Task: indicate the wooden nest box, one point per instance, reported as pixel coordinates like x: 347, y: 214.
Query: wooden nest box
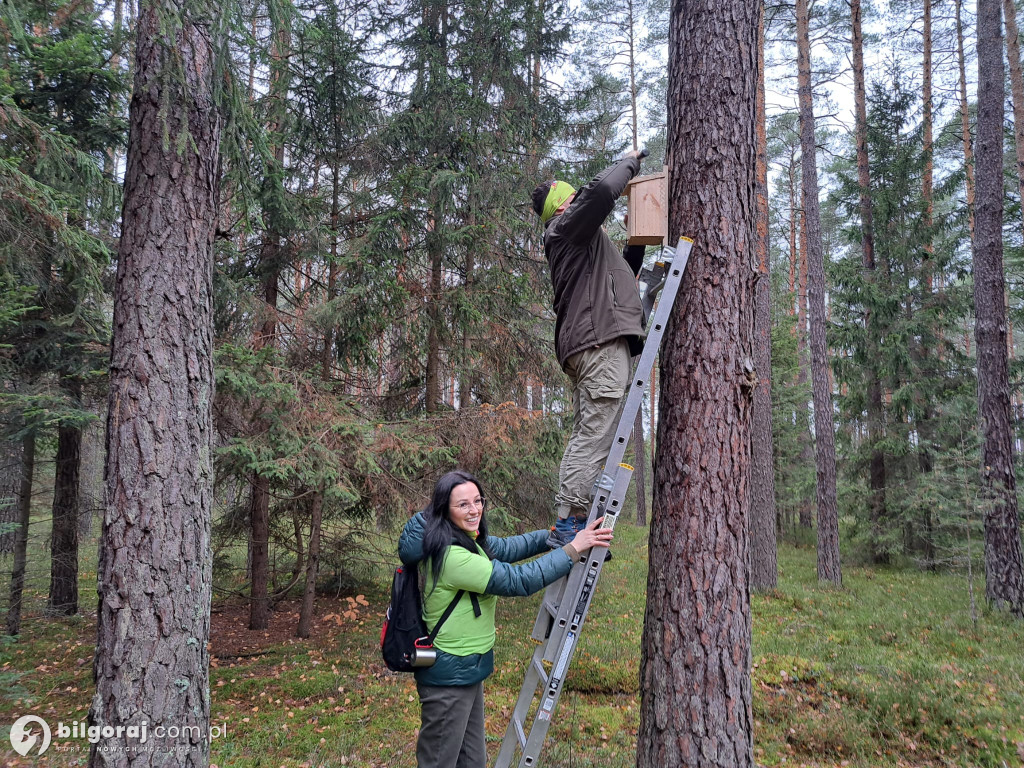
x: 647, y: 206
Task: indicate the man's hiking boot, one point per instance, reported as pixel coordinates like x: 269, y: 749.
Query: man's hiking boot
x: 565, y: 530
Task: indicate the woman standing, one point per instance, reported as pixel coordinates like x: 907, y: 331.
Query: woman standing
x: 450, y: 538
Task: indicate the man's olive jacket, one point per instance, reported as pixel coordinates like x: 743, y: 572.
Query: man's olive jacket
x: 596, y: 298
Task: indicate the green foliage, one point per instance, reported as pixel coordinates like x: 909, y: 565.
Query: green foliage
x: 60, y: 113
x: 464, y: 147
x: 794, y: 477
x: 791, y: 386
x: 62, y: 77
x: 899, y: 322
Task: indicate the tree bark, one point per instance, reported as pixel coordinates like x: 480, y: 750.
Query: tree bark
x: 927, y: 120
x: 259, y: 524
x: 801, y: 298
x: 28, y: 460
x: 1004, y: 573
x: 90, y: 483
x: 640, y: 473
x: 1016, y: 89
x: 695, y: 665
x: 312, y: 567
x: 965, y: 121
x: 155, y: 566
x: 764, y: 573
x: 10, y: 482
x: 63, y: 598
x: 794, y: 257
x: 806, y: 512
x: 875, y: 413
x: 824, y: 436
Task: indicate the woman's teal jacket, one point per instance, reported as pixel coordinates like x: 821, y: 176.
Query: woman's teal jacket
x: 506, y: 579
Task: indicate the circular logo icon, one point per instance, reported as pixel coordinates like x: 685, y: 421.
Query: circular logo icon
x: 25, y: 735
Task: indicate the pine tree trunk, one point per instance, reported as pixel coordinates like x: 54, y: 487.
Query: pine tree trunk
x: 695, y: 666
x: 806, y: 512
x: 10, y: 481
x: 764, y: 572
x: 1004, y: 572
x: 312, y: 567
x: 801, y: 298
x: 927, y: 120
x: 90, y: 483
x: 1016, y: 89
x: 63, y: 599
x: 155, y: 567
x: 824, y: 436
x: 965, y: 124
x: 259, y: 524
x: 794, y: 257
x: 28, y: 460
x: 876, y: 462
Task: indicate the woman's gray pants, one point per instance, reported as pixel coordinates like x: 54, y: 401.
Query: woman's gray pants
x: 452, y: 727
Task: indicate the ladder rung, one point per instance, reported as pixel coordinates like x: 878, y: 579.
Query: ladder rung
x: 541, y: 673
x: 551, y: 606
x: 520, y: 733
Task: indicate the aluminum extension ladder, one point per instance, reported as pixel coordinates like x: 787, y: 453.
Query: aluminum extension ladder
x: 567, y: 601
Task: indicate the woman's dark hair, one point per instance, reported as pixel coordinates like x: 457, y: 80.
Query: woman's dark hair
x: 439, y: 530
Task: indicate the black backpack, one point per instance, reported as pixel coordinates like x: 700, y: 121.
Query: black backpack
x: 404, y: 641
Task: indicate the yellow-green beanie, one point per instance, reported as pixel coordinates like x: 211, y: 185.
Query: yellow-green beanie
x: 559, y: 193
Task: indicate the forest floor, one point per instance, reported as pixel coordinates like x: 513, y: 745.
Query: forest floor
x: 887, y: 671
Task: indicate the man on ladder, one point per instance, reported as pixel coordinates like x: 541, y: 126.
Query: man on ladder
x: 598, y: 307
x: 598, y: 326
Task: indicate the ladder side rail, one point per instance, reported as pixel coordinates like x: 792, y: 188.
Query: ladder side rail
x: 579, y: 607
x: 581, y: 577
x: 515, y: 735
